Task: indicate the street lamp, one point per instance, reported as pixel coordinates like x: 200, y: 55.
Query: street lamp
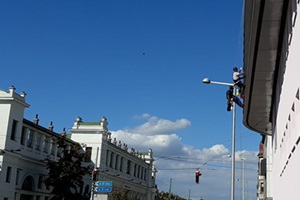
x: 208, y: 81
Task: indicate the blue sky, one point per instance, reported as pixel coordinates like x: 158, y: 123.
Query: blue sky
x: 140, y: 63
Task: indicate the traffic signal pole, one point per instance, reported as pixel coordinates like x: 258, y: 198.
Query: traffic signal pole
x: 93, y: 175
x: 92, y: 192
x: 170, y: 190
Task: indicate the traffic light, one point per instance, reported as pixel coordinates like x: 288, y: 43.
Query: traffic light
x: 95, y: 175
x: 198, y: 174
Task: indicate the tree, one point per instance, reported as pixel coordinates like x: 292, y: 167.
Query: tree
x: 66, y: 174
x: 120, y: 194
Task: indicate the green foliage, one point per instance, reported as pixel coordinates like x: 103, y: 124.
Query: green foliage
x: 66, y: 175
x: 120, y: 194
x: 166, y: 196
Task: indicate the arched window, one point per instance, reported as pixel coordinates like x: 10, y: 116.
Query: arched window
x: 28, y: 183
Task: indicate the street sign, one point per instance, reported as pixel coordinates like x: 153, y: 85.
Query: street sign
x: 103, y: 189
x: 104, y: 183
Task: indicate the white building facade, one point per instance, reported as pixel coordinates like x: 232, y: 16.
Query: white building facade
x: 129, y: 171
x: 272, y: 104
x: 25, y: 146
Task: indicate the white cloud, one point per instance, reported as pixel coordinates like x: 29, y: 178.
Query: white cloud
x: 143, y: 116
x: 161, y: 144
x: 155, y: 126
x: 179, y: 161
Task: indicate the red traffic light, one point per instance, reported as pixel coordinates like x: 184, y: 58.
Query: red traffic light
x: 198, y: 174
x: 95, y: 175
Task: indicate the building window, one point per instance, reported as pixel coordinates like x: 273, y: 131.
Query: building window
x: 8, y: 174
x: 38, y: 142
x: 107, y: 154
x: 128, y: 167
x: 134, y: 170
x: 138, y: 172
x: 88, y: 154
x: 13, y: 130
x: 46, y: 145
x: 121, y: 164
x: 23, y: 135
x: 117, y: 162
x: 142, y: 173
x: 17, y: 176
x: 28, y: 184
x: 53, y: 148
x: 47, y: 188
x: 38, y: 197
x: 145, y: 174
x: 59, y: 152
x: 40, y: 181
x: 46, y: 198
x: 30, y: 138
x: 111, y: 160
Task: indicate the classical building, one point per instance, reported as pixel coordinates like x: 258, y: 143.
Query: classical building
x: 25, y: 145
x: 131, y: 171
x: 272, y: 104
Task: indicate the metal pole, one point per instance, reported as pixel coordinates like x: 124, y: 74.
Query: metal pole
x: 170, y: 190
x: 233, y: 148
x: 243, y: 179
x: 208, y: 81
x: 221, y: 83
x: 247, y: 198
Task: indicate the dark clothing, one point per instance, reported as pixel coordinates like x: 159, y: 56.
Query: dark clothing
x: 229, y: 94
x: 241, y: 86
x: 230, y: 97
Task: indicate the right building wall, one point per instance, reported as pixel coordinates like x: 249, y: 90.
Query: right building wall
x: 272, y: 104
x: 286, y: 117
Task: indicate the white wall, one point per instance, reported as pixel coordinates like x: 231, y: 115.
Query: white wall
x: 286, y: 159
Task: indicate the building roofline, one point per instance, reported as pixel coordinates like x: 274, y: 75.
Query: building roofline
x: 43, y: 129
x: 263, y: 36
